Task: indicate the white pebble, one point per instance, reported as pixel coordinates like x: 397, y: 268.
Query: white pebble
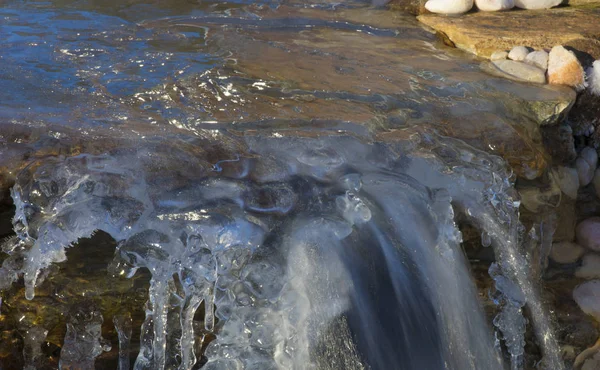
x: 494, y: 5
x: 538, y: 58
x: 536, y: 4
x: 449, y: 6
x: 518, y: 53
x: 499, y: 55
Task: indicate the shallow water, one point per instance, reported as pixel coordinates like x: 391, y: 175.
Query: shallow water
x: 284, y: 175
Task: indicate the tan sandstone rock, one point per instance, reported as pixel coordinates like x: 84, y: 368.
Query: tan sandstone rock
x: 482, y: 33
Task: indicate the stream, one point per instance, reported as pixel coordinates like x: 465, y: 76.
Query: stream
x: 258, y: 185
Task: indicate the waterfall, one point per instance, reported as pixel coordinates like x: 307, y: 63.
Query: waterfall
x: 304, y: 252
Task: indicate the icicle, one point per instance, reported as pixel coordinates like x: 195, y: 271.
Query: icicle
x: 123, y: 326
x: 34, y: 338
x: 188, y: 309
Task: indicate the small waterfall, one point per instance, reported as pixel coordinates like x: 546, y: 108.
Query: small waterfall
x: 275, y: 185
x: 304, y: 252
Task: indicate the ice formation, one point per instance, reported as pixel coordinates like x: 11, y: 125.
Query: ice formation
x: 279, y: 245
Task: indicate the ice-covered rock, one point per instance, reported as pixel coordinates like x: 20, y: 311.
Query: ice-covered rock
x: 590, y: 268
x: 588, y: 233
x: 538, y: 58
x: 593, y: 78
x: 536, y: 4
x: 449, y: 6
x: 565, y: 69
x: 587, y: 296
x: 494, y: 5
x: 566, y: 252
x: 499, y: 55
x: 518, y: 53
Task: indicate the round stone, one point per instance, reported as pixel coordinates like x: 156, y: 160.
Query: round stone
x: 587, y: 233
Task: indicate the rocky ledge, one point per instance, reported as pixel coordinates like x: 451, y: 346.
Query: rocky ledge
x: 482, y: 33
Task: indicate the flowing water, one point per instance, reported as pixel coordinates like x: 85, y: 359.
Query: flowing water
x: 267, y: 185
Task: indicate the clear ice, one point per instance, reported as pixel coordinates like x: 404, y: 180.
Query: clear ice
x: 282, y: 247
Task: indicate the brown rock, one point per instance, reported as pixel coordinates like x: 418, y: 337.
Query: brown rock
x: 564, y: 68
x: 482, y: 33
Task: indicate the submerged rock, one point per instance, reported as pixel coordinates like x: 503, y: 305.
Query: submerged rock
x: 518, y: 53
x: 537, y: 4
x: 538, y: 58
x: 588, y: 233
x: 540, y: 195
x: 514, y: 70
x: 566, y: 252
x: 494, y: 5
x: 449, y: 6
x: 564, y: 68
